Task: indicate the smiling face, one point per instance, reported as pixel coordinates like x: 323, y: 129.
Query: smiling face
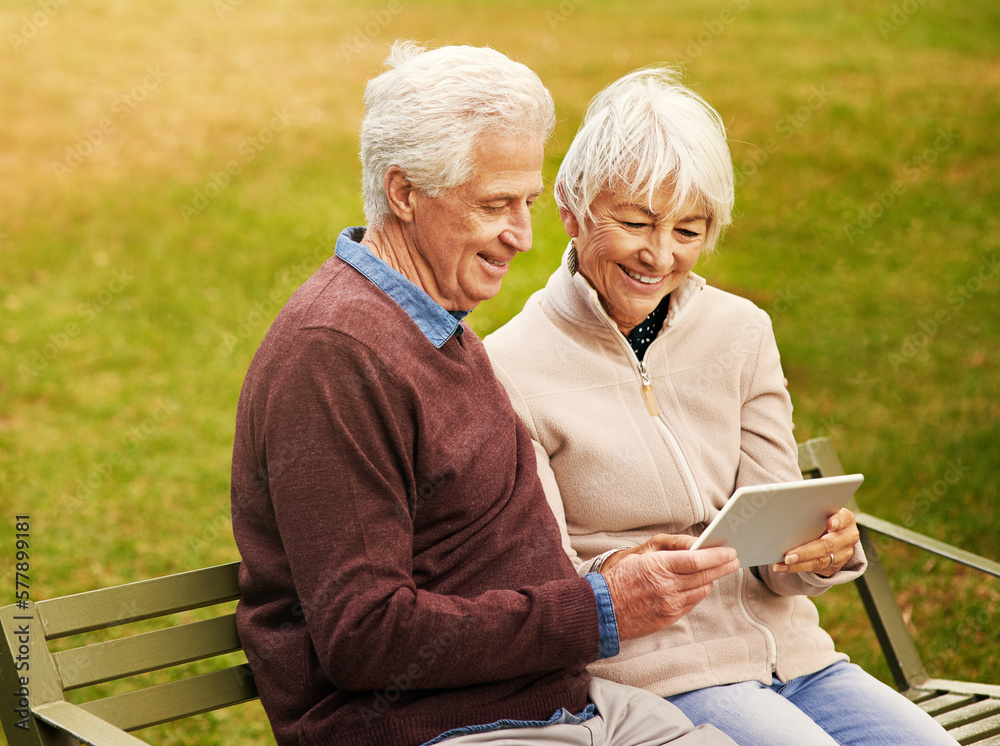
x: 462, y: 242
x: 635, y: 252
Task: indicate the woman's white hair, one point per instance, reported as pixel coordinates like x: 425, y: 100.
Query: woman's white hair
x: 426, y: 111
x: 643, y: 132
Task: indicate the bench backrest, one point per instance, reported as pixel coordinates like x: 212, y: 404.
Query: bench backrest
x: 53, y: 673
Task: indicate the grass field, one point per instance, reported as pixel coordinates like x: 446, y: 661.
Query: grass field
x: 171, y: 171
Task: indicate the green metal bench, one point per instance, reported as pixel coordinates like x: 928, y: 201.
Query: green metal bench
x: 34, y: 710
x: 970, y: 711
x: 43, y: 717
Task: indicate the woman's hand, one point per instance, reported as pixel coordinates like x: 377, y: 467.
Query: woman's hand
x: 829, y: 553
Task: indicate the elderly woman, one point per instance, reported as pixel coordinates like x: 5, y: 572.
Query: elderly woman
x: 652, y: 397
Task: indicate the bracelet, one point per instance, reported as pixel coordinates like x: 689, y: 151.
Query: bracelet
x: 599, y: 561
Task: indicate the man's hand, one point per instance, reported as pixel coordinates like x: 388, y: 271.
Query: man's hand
x: 658, y: 582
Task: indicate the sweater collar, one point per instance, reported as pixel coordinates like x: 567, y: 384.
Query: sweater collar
x: 573, y: 295
x: 437, y: 324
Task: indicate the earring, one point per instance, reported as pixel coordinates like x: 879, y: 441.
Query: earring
x: 572, y: 263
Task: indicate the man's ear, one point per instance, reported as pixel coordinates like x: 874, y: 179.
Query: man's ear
x: 400, y: 192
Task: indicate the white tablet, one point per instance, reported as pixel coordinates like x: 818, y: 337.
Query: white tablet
x: 763, y: 522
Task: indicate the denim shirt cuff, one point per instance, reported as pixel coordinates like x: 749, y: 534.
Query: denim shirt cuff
x: 607, y: 624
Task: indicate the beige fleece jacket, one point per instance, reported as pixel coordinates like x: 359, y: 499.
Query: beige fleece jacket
x: 615, y: 474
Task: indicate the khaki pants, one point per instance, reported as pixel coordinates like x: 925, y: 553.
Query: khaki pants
x: 626, y: 716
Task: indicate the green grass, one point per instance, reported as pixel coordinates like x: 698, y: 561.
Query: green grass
x: 128, y: 322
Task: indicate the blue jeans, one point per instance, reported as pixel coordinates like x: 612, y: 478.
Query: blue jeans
x: 839, y: 705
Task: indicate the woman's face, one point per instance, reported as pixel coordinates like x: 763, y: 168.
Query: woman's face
x: 633, y: 256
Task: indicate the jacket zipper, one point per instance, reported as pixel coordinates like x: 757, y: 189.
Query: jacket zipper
x: 654, y: 410
x: 647, y: 390
x: 772, y: 644
x: 699, y: 506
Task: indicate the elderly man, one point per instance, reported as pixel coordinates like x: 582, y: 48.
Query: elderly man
x: 403, y: 580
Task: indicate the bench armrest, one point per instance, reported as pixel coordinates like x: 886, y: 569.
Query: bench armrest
x: 940, y: 548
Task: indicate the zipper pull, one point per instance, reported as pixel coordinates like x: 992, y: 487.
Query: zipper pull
x: 647, y: 391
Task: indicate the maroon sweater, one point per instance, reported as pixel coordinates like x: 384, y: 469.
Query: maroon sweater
x: 402, y: 573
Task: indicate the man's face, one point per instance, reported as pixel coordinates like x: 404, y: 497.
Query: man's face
x: 463, y: 241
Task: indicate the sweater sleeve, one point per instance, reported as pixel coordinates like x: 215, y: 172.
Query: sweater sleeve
x: 345, y: 518
x: 768, y: 454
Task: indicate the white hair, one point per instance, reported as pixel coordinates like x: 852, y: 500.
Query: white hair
x: 425, y: 113
x: 643, y: 132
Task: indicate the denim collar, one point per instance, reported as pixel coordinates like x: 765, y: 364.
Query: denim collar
x: 437, y: 324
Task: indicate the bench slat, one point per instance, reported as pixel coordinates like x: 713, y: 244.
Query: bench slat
x: 920, y: 695
x: 83, y: 725
x: 945, y: 702
x: 978, y: 731
x: 964, y: 687
x: 150, y: 651
x: 163, y: 703
x: 145, y: 599
x: 969, y: 713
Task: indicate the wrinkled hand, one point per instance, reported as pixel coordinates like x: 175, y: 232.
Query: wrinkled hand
x: 830, y: 552
x: 660, y: 581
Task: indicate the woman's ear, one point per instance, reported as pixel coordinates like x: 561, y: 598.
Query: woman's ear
x: 400, y: 192
x: 570, y: 223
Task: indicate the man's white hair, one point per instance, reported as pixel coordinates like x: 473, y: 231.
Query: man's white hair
x: 425, y: 113
x: 647, y: 131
